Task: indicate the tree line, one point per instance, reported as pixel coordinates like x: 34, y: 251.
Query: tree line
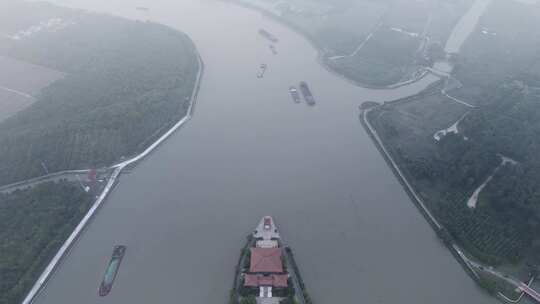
x: 34, y: 222
x: 125, y: 83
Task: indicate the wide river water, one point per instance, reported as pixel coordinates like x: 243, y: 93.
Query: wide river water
x: 250, y: 151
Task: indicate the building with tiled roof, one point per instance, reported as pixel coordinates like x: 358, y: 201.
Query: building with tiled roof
x: 265, y: 260
x: 266, y: 271
x: 274, y: 280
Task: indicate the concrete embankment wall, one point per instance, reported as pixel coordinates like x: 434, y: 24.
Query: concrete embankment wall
x: 113, y: 180
x: 454, y: 249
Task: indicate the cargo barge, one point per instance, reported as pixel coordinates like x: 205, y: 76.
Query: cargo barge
x: 266, y: 271
x: 112, y: 270
x: 310, y: 100
x: 294, y: 94
x: 262, y: 70
x: 268, y: 36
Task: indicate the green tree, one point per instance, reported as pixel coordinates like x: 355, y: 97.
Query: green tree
x: 248, y: 300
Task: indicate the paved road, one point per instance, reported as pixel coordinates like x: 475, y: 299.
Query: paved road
x: 507, y: 278
x: 117, y: 170
x: 71, y: 175
x: 315, y: 170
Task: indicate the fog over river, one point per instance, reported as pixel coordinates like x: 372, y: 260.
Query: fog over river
x: 249, y: 151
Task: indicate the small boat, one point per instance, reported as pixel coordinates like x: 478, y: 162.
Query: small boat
x: 112, y: 270
x: 308, y: 96
x: 267, y: 35
x: 294, y: 94
x: 262, y: 68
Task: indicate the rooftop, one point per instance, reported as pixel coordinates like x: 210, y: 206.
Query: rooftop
x: 256, y: 280
x: 266, y: 260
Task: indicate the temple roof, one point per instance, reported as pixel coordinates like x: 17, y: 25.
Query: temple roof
x: 274, y: 280
x: 266, y: 260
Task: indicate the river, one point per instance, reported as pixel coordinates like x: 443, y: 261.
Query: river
x: 249, y: 151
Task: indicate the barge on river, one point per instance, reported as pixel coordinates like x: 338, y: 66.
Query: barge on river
x: 308, y: 96
x: 266, y: 271
x: 112, y: 270
x: 262, y: 70
x: 294, y: 94
x: 267, y: 35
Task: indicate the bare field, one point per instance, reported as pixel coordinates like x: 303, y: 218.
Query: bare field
x: 20, y: 82
x: 11, y: 103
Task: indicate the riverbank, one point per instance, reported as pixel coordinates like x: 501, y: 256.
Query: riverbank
x: 436, y: 88
x: 77, y: 122
x: 485, y: 203
x: 34, y: 223
x: 102, y: 110
x: 322, y: 56
x: 465, y: 253
x: 217, y: 174
x: 396, y: 170
x: 438, y: 228
x: 112, y: 181
x: 301, y: 294
x: 242, y: 260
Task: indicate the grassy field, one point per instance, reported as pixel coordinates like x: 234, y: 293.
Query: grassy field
x: 26, y: 77
x: 20, y: 83
x: 11, y: 103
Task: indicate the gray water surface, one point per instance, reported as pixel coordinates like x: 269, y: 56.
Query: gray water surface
x: 250, y: 151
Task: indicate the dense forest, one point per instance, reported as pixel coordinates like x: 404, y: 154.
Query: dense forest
x: 33, y: 224
x: 510, y: 126
x: 125, y: 83
x: 500, y: 74
x: 447, y: 172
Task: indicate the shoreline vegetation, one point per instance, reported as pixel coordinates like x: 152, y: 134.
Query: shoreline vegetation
x: 34, y: 222
x: 157, y: 92
x: 494, y: 140
x: 322, y: 57
x: 111, y: 183
x: 493, y: 285
x: 444, y: 234
x: 138, y: 77
x: 456, y: 224
x: 423, y: 46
